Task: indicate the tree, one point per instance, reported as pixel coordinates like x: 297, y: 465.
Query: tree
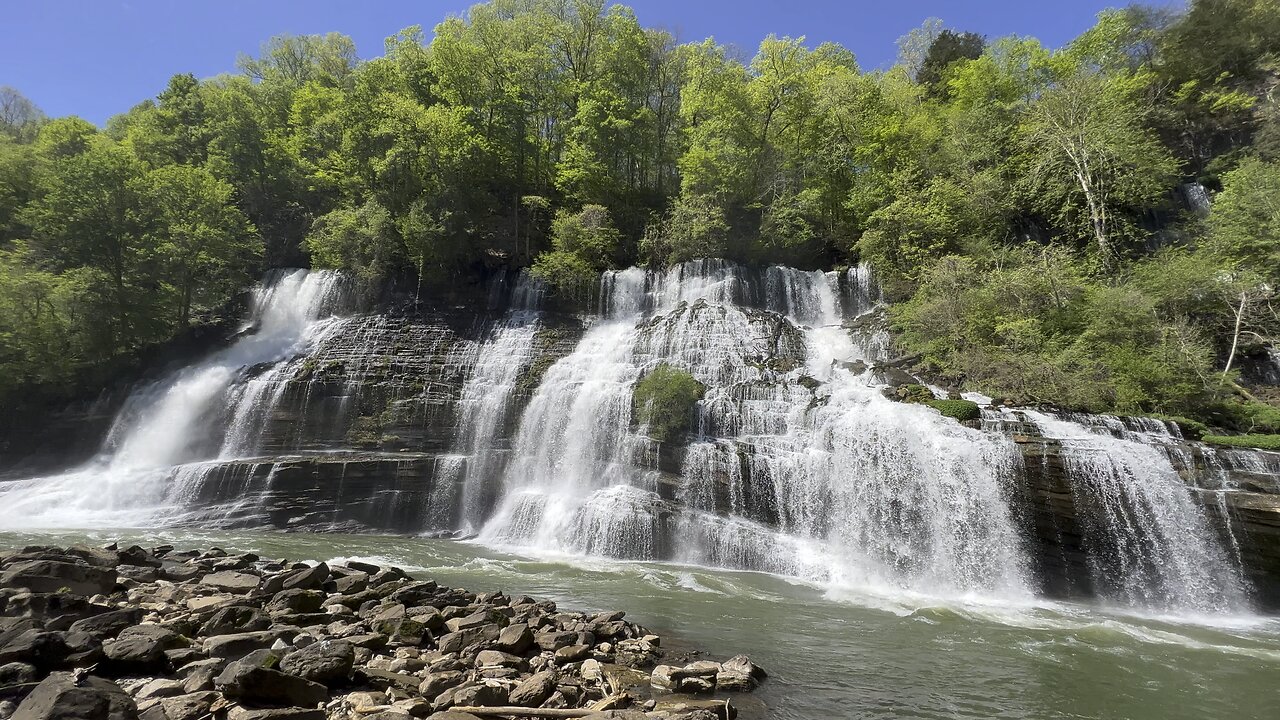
x: 87, y: 213
x: 583, y: 244
x: 20, y: 119
x: 948, y: 48
x: 202, y: 239
x: 1091, y: 160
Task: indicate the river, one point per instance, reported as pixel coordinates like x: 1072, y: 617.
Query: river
x: 840, y: 654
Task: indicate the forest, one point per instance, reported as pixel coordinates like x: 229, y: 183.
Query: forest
x: 1094, y: 227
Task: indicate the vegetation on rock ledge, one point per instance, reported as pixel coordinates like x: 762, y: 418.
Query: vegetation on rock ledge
x: 664, y: 401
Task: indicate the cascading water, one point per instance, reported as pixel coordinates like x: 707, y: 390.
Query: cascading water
x: 486, y: 396
x: 1150, y: 544
x: 861, y: 490
x: 165, y: 427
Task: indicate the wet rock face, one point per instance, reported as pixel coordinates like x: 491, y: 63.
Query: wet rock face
x: 1239, y: 490
x: 237, y: 637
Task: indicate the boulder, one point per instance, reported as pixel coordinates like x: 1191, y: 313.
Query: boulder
x: 484, y: 695
x: 435, y: 683
x: 743, y: 665
x: 108, y: 624
x: 235, y: 619
x: 573, y: 653
x: 60, y: 697
x: 238, y: 645
x: 535, y: 690
x: 312, y: 578
x: 516, y: 638
x: 46, y: 650
x: 458, y: 641
x: 296, y: 600
x: 250, y: 681
x: 53, y: 576
x: 554, y: 640
x: 231, y: 581
x: 328, y: 661
x: 477, y: 619
x: 192, y: 706
x: 18, y: 673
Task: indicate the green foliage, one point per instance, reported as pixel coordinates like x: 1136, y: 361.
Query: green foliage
x: 1262, y: 442
x: 584, y: 243
x: 664, y: 401
x: 1007, y: 194
x: 962, y: 410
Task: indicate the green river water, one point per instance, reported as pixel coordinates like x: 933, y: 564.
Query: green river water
x: 845, y: 655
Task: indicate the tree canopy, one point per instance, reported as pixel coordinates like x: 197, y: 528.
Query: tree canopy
x: 1017, y: 202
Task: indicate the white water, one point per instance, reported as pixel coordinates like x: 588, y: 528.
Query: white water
x: 482, y: 408
x: 1150, y: 543
x: 864, y: 491
x: 178, y: 421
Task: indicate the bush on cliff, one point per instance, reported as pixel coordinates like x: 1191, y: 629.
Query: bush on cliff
x: 664, y: 401
x: 962, y: 410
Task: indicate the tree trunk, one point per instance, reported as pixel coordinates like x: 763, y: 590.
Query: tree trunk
x: 1235, y: 336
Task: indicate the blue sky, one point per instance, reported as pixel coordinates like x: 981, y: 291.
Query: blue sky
x: 96, y: 58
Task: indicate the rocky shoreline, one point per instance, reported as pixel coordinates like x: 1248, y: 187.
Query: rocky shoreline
x: 159, y: 634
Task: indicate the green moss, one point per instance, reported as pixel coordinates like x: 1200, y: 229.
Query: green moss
x: 664, y: 401
x: 962, y: 410
x: 1261, y: 442
x: 914, y: 394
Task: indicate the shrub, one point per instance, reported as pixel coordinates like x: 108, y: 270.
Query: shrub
x: 664, y: 400
x: 961, y: 410
x: 1261, y: 442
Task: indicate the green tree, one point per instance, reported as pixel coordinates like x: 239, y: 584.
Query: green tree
x: 203, y: 241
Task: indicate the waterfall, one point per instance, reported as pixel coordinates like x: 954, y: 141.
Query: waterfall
x: 486, y: 396
x: 1149, y: 542
x: 139, y: 472
x: 821, y: 478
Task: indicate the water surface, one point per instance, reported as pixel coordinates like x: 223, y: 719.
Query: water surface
x: 843, y: 654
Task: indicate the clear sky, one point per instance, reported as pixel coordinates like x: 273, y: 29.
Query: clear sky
x: 97, y: 58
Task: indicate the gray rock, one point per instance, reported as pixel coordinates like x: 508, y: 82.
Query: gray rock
x: 312, y: 578
x: 159, y: 688
x: 58, y: 697
x: 327, y: 662
x: 555, y: 640
x: 458, y: 641
x: 17, y: 673
x: 573, y: 653
x: 435, y: 683
x: 235, y: 619
x: 238, y: 645
x: 192, y: 706
x: 742, y: 664
x: 109, y: 624
x: 250, y: 681
x: 52, y: 576
x: 515, y: 638
x: 535, y: 690
x: 296, y: 600
x: 198, y: 676
x: 386, y: 678
x: 484, y: 695
x: 232, y: 581
x: 41, y: 648
x: 477, y: 619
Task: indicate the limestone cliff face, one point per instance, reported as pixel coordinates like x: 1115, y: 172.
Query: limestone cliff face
x: 374, y: 429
